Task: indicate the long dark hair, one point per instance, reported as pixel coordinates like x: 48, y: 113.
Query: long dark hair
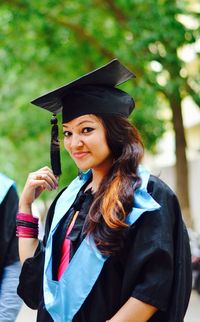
x: 114, y: 198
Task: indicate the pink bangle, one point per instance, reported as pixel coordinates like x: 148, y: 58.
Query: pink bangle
x: 26, y: 217
x: 26, y: 232
x: 26, y: 226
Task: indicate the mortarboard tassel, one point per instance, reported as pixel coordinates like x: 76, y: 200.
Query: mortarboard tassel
x: 55, y: 147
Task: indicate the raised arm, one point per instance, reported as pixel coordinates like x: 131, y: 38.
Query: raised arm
x: 37, y: 182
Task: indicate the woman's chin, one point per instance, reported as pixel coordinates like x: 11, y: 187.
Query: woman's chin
x: 83, y: 169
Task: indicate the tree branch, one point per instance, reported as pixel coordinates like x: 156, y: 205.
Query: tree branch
x: 118, y: 13
x: 193, y: 94
x: 82, y: 34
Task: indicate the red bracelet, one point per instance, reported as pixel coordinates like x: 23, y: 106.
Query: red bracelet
x: 26, y: 226
x: 26, y: 232
x: 26, y: 217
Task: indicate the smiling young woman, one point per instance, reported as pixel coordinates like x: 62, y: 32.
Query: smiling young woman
x: 84, y: 139
x: 115, y: 246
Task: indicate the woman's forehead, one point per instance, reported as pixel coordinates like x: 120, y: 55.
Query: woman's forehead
x: 87, y: 118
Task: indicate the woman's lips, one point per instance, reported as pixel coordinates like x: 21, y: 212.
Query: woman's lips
x: 79, y: 155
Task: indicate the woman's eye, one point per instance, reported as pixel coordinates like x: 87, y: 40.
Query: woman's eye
x: 87, y: 129
x: 67, y: 134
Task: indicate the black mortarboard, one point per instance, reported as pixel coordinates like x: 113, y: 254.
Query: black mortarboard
x: 93, y: 93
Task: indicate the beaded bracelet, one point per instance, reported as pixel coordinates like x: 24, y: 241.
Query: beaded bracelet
x: 26, y: 226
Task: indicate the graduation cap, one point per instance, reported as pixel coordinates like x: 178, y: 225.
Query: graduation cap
x: 93, y: 93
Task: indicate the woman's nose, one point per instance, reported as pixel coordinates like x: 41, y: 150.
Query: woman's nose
x: 76, y: 141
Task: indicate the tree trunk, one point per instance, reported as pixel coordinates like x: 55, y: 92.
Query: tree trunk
x: 181, y: 159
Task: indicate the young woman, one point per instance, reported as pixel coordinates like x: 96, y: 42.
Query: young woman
x: 115, y: 246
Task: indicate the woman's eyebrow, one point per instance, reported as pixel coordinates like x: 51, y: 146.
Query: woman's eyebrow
x: 85, y: 122
x: 67, y: 126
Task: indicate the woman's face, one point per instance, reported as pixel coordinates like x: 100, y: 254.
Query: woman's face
x: 85, y: 140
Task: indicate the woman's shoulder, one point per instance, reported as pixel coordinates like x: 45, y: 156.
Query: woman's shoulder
x: 157, y: 186
x: 165, y: 197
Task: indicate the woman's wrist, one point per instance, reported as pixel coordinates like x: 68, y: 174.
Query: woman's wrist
x: 25, y: 208
x: 26, y: 225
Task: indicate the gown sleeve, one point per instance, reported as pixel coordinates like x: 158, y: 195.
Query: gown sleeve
x: 160, y: 261
x: 30, y: 287
x: 30, y: 279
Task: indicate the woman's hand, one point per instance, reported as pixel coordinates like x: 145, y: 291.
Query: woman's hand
x: 36, y: 182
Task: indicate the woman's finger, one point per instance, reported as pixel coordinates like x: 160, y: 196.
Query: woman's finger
x: 46, y: 174
x: 40, y: 182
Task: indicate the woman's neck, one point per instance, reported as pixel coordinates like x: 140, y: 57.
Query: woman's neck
x: 97, y: 177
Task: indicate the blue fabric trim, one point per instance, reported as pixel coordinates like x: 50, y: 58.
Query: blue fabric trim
x: 142, y: 199
x: 64, y: 298
x: 75, y: 284
x: 5, y: 184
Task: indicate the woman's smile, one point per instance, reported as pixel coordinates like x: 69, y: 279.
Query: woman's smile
x: 79, y: 155
x: 85, y: 140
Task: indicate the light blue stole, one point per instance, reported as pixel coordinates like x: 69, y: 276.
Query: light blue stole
x: 5, y: 184
x: 64, y: 298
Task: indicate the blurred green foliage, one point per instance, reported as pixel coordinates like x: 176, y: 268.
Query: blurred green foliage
x: 45, y: 44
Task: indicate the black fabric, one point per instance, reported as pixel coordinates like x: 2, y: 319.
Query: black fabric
x: 109, y: 75
x: 90, y: 99
x: 55, y: 148
x: 31, y: 289
x: 8, y: 240
x: 154, y: 266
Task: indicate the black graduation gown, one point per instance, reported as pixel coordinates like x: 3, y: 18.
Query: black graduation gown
x: 154, y: 267
x: 8, y: 239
